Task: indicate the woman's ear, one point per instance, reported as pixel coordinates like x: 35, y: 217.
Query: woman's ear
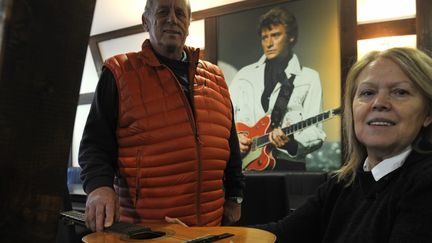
x: 427, y: 121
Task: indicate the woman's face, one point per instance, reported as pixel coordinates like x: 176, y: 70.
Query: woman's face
x: 388, y: 110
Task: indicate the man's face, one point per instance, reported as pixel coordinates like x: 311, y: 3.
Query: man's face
x: 168, y: 24
x: 274, y: 41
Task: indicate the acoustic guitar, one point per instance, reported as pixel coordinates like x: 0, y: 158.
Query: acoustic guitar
x: 260, y: 157
x: 121, y: 232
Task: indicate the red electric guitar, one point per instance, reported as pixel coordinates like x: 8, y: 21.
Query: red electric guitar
x: 260, y: 156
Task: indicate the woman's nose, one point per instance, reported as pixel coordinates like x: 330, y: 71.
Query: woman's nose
x: 381, y: 102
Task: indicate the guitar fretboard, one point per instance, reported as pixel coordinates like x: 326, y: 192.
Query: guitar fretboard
x: 262, y: 141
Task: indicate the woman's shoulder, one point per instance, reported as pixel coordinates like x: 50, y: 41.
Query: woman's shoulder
x: 419, y: 165
x: 416, y: 173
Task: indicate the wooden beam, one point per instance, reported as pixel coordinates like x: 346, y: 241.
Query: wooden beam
x: 348, y: 35
x: 424, y: 25
x: 211, y: 40
x: 235, y: 7
x: 387, y: 28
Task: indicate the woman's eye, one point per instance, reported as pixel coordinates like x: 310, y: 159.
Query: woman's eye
x: 366, y: 93
x: 401, y: 92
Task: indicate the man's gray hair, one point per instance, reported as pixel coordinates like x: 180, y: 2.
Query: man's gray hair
x: 149, y: 6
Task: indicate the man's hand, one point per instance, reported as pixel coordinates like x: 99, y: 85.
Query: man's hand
x: 102, y: 208
x: 245, y: 143
x: 278, y: 138
x: 232, y: 212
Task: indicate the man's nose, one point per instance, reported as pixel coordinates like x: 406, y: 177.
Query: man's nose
x: 381, y: 102
x: 269, y: 43
x: 172, y: 17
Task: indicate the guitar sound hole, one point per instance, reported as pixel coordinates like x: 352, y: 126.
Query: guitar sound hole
x: 145, y: 235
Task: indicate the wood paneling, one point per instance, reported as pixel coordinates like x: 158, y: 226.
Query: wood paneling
x: 211, y: 39
x: 424, y: 25
x: 388, y: 28
x: 348, y: 35
x: 235, y: 7
x: 45, y: 47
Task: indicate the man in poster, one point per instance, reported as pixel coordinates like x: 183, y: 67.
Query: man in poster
x: 277, y: 86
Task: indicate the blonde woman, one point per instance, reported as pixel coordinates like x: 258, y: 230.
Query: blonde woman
x: 383, y: 193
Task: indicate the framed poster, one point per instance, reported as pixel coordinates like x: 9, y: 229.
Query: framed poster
x: 232, y: 41
x: 316, y: 50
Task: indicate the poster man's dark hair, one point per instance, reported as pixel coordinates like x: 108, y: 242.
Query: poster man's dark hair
x: 276, y: 16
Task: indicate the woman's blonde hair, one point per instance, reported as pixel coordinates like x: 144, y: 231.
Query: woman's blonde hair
x: 418, y: 68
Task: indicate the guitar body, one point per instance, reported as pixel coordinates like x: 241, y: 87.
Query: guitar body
x: 260, y: 157
x: 178, y: 233
x: 123, y: 232
x: 257, y: 159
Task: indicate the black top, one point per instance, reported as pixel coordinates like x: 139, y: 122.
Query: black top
x: 99, y: 149
x: 396, y: 208
x: 274, y: 72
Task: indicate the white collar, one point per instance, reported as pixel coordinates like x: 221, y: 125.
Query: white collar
x: 388, y: 165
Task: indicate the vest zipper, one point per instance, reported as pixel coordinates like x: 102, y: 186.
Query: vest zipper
x: 192, y: 70
x: 138, y: 178
x: 190, y: 105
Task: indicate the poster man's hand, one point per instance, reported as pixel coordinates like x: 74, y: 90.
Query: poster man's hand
x: 245, y: 143
x: 278, y: 138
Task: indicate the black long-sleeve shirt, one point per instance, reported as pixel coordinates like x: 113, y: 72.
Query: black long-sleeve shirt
x: 99, y: 149
x: 397, y: 208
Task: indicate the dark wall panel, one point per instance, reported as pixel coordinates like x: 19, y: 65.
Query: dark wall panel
x: 43, y: 53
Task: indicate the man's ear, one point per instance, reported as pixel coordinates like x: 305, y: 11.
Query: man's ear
x: 144, y: 23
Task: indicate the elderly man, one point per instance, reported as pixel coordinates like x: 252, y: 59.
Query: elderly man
x: 160, y: 140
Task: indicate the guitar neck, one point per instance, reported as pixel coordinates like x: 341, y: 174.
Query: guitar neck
x: 264, y: 140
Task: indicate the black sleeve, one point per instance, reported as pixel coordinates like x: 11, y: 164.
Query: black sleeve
x: 413, y: 221
x: 305, y: 224
x: 98, y: 149
x: 234, y: 181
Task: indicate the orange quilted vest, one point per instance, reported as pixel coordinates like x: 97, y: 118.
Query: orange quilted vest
x: 171, y: 156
